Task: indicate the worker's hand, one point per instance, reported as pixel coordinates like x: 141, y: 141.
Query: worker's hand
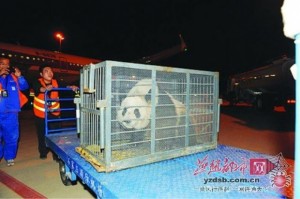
x: 73, y: 87
x: 17, y: 72
x: 4, y: 71
x: 47, y: 88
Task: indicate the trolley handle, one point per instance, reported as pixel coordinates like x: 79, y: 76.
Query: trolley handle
x: 48, y: 100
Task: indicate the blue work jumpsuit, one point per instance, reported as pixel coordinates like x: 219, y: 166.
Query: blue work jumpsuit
x: 9, y: 111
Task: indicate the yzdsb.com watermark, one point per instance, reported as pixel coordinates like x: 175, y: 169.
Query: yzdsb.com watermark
x: 230, y: 180
x: 274, y: 169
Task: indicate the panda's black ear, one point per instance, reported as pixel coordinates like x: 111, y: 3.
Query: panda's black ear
x: 148, y: 96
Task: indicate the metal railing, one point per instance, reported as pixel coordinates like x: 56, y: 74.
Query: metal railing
x: 66, y: 121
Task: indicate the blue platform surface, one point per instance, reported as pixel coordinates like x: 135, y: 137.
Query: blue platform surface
x: 201, y: 175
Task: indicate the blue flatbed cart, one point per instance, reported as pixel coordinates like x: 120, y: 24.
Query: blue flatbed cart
x: 175, y: 178
x: 219, y: 173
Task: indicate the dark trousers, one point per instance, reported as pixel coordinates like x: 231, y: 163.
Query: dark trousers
x: 40, y: 129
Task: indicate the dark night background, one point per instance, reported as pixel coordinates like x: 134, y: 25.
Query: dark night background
x: 229, y: 36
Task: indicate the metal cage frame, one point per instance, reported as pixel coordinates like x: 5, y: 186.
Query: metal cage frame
x: 100, y: 99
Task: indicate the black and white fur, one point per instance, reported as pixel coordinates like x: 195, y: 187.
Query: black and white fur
x: 135, y: 110
x: 134, y: 113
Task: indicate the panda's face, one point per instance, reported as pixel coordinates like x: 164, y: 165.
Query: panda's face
x: 134, y: 113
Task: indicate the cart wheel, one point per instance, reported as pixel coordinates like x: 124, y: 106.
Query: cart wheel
x: 63, y: 176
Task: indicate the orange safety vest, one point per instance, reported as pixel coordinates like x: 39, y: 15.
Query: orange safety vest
x: 22, y: 97
x: 39, y: 101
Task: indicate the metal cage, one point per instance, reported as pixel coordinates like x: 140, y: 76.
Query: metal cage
x: 134, y: 114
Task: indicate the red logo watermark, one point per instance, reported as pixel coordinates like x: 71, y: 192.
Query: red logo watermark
x: 275, y: 167
x: 259, y: 166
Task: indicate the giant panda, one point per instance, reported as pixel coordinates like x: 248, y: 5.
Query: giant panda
x: 135, y: 111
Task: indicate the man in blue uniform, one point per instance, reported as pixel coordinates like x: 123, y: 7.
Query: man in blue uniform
x: 11, y: 84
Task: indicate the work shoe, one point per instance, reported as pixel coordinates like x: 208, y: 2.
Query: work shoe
x: 10, y: 162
